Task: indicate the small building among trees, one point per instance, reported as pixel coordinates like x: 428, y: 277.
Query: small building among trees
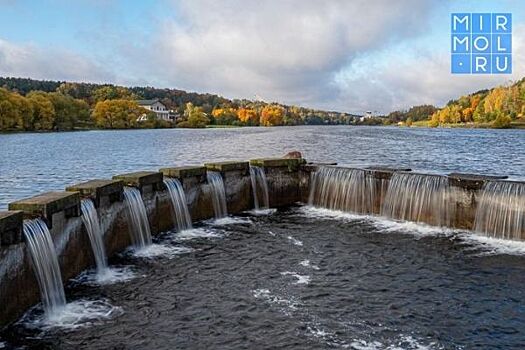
x: 156, y: 107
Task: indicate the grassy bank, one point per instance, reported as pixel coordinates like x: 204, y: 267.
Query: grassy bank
x: 426, y: 124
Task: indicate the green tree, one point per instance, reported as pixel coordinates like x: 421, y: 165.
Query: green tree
x: 195, y: 117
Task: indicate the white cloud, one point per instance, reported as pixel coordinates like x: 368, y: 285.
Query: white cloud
x: 50, y: 63
x: 288, y: 51
x: 414, y: 74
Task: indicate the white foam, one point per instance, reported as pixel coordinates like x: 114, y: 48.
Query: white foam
x: 415, y: 228
x: 315, y: 212
x: 295, y: 241
x: 160, y: 250
x: 265, y: 294
x: 404, y: 342
x: 493, y: 246
x: 301, y: 279
x: 306, y: 263
x: 318, y: 332
x: 110, y: 275
x: 262, y: 212
x: 271, y: 233
x: 196, y: 233
x: 230, y: 220
x: 74, y: 315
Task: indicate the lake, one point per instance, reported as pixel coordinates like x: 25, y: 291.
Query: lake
x: 39, y: 162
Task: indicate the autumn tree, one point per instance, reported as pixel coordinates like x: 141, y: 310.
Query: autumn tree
x: 194, y: 117
x: 248, y: 116
x: 117, y: 114
x: 43, y: 111
x: 224, y: 116
x: 110, y: 92
x: 272, y: 115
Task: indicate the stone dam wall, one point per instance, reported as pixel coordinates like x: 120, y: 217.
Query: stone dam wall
x: 288, y: 184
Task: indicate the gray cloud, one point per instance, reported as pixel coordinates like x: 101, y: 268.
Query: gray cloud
x: 416, y: 76
x: 287, y: 51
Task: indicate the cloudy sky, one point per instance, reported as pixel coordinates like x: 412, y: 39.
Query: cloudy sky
x: 347, y: 55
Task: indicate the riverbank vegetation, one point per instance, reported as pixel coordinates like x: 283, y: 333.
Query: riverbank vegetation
x: 35, y: 105
x: 500, y: 108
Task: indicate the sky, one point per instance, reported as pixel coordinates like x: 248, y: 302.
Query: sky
x: 344, y: 55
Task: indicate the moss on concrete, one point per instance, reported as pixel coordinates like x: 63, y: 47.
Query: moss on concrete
x: 184, y: 171
x: 141, y: 178
x: 291, y: 163
x: 47, y: 204
x: 227, y: 166
x: 96, y: 189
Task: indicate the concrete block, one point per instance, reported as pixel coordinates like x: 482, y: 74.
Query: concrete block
x: 11, y: 223
x: 100, y: 191
x: 47, y: 204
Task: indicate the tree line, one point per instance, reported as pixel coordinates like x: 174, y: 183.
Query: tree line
x: 33, y: 105
x: 500, y: 107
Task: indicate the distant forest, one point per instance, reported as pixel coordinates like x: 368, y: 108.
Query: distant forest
x: 33, y: 105
x: 500, y: 107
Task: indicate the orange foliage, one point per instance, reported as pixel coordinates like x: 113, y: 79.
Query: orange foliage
x: 272, y: 116
x: 248, y: 116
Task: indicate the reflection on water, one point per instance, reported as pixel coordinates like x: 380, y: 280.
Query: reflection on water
x: 31, y: 163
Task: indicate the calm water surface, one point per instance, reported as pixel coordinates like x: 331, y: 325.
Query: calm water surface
x: 31, y: 163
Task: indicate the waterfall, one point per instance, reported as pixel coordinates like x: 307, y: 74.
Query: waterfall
x: 351, y: 190
x: 420, y: 198
x: 90, y: 220
x: 501, y: 210
x: 45, y: 263
x: 258, y: 177
x: 218, y: 194
x: 138, y: 218
x: 180, y: 212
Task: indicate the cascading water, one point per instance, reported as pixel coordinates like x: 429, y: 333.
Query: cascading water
x: 420, y: 198
x: 45, y: 263
x: 351, y: 190
x: 218, y: 194
x: 258, y: 177
x: 501, y: 210
x: 90, y: 220
x: 180, y: 212
x: 139, y: 224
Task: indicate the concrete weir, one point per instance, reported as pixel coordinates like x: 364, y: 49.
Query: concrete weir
x: 289, y: 182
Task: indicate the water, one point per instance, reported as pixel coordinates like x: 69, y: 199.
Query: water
x: 45, y: 264
x: 218, y: 194
x: 419, y: 198
x: 179, y: 206
x: 353, y: 282
x: 57, y: 314
x: 259, y: 184
x: 79, y: 156
x: 351, y: 190
x: 92, y: 224
x: 138, y: 218
x: 501, y: 210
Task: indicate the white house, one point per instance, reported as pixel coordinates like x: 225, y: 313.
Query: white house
x: 155, y: 106
x: 367, y: 115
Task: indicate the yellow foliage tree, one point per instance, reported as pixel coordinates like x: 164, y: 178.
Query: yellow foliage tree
x: 117, y: 114
x: 248, y: 116
x: 272, y: 115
